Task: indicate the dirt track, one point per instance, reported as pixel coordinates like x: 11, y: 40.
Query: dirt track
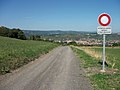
x: 57, y: 70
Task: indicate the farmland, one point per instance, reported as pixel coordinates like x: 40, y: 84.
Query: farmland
x: 15, y: 53
x: 90, y: 58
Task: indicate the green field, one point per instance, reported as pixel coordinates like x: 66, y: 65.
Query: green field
x: 110, y: 80
x: 15, y: 53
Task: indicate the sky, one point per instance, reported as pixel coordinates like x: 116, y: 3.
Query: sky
x: 75, y: 15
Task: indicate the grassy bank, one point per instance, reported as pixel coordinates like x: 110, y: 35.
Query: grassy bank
x: 15, y: 53
x: 89, y: 57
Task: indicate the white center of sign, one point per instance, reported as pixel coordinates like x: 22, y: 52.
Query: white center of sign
x: 104, y: 19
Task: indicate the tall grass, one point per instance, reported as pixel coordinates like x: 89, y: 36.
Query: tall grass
x: 15, y: 53
x: 112, y: 56
x: 90, y: 51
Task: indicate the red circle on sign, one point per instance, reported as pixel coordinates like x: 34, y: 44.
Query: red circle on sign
x: 99, y: 19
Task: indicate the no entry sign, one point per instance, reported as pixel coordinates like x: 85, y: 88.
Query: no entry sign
x: 104, y: 19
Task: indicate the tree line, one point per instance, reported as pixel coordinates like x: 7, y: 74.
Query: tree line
x: 116, y: 44
x: 19, y: 34
x: 12, y: 33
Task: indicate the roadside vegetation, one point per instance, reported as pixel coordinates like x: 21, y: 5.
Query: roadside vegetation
x: 90, y: 58
x: 15, y: 53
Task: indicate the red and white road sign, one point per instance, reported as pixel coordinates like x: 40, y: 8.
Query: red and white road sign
x: 104, y: 19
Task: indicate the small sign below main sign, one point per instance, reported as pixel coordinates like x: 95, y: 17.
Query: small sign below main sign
x: 104, y: 29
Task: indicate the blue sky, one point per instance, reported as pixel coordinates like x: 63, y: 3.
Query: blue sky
x: 80, y: 15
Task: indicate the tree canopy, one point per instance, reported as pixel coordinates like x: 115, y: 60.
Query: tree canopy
x: 13, y: 33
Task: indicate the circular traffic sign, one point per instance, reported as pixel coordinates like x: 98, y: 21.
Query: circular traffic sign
x: 104, y: 19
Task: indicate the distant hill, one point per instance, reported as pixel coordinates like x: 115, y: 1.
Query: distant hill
x: 71, y: 35
x: 37, y: 32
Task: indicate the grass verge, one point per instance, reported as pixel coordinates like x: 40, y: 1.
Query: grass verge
x: 110, y: 80
x: 14, y: 53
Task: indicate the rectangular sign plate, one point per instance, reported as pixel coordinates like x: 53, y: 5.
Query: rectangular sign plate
x: 104, y: 29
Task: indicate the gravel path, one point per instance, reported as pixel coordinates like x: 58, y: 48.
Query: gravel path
x: 57, y: 70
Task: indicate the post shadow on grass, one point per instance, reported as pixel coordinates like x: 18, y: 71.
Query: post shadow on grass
x: 101, y: 63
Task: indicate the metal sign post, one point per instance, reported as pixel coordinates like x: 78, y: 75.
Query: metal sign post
x: 104, y: 20
x: 103, y: 68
